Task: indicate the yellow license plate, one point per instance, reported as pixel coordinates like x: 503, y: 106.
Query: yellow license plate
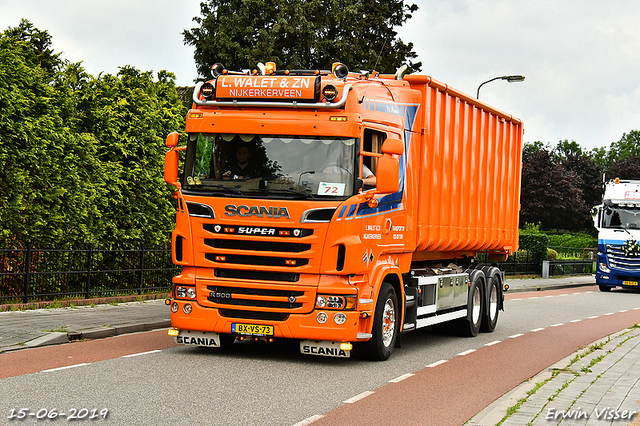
x: 252, y: 329
x: 629, y: 283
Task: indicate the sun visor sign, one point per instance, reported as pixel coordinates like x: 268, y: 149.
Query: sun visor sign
x: 269, y: 88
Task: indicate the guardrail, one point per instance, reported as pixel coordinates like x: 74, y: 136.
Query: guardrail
x: 38, y: 272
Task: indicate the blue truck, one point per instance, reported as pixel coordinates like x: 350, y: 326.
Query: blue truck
x: 617, y: 220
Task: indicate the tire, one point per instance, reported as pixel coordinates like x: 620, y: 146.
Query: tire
x: 226, y: 340
x: 490, y: 317
x: 385, y: 325
x: 604, y: 288
x: 469, y: 327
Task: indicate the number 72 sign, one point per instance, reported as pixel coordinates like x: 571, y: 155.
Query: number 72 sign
x: 330, y: 188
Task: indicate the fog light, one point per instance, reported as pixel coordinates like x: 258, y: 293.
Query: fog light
x: 174, y: 307
x: 340, y: 318
x: 187, y: 308
x: 321, y: 317
x: 191, y: 292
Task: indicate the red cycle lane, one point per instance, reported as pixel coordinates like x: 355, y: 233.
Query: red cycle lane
x: 38, y: 359
x: 453, y: 392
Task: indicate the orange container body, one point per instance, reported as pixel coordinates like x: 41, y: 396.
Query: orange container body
x: 468, y: 174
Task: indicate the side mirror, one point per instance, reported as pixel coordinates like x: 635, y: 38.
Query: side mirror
x: 387, y: 175
x: 171, y: 159
x: 172, y: 140
x: 393, y: 147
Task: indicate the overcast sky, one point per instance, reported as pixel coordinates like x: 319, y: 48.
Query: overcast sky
x: 581, y: 58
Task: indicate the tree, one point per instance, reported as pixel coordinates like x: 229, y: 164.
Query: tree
x: 629, y: 168
x: 45, y: 165
x: 308, y: 34
x: 589, y: 172
x: 81, y: 157
x: 549, y: 194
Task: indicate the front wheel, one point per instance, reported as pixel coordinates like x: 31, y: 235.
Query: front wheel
x: 604, y: 288
x: 385, y: 325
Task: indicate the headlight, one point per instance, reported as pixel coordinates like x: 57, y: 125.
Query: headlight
x: 191, y: 292
x: 186, y: 292
x: 326, y: 301
x: 603, y: 267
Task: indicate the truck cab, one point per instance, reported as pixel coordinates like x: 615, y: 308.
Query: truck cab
x: 617, y: 220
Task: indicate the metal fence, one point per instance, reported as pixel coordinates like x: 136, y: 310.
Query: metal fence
x: 34, y: 272
x: 519, y: 263
x: 572, y: 261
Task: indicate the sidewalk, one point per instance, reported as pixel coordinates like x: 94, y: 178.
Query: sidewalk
x: 598, y: 385
x: 41, y: 327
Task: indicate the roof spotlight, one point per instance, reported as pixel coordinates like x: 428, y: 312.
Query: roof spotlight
x: 340, y: 70
x: 217, y: 69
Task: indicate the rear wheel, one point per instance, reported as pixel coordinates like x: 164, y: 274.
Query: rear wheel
x: 469, y: 327
x: 385, y: 325
x: 490, y: 317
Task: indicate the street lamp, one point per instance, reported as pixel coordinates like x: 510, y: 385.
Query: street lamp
x: 509, y: 78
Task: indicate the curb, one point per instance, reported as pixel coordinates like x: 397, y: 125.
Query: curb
x: 82, y: 302
x: 548, y: 287
x: 55, y: 338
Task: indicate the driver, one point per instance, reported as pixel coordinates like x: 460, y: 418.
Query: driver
x: 243, y: 168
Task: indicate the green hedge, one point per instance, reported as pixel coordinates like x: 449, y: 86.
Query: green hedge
x: 534, y: 242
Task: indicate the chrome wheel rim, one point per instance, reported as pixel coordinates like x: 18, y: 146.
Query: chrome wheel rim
x: 493, y: 302
x: 475, y: 315
x: 388, y: 323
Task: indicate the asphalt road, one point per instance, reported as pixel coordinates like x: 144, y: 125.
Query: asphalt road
x: 275, y: 385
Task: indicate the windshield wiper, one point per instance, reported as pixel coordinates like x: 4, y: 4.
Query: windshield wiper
x: 290, y: 191
x: 199, y: 188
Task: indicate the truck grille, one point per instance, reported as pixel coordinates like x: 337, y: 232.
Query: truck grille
x: 240, y: 274
x: 258, y: 246
x: 618, y: 260
x: 255, y: 297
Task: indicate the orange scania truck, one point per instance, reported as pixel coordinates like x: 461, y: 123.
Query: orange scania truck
x: 340, y: 209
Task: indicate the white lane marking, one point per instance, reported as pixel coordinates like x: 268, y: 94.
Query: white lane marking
x: 466, y: 352
x: 610, y: 313
x: 636, y: 309
x: 537, y: 329
x: 516, y: 335
x: 358, y: 397
x: 437, y: 363
x: 495, y: 342
x: 65, y: 368
x: 576, y: 320
x: 309, y: 420
x: 557, y: 325
x: 624, y: 310
x: 401, y: 378
x: 142, y: 353
x: 594, y: 317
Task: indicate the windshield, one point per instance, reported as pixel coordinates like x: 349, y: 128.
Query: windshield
x: 621, y: 217
x: 288, y: 166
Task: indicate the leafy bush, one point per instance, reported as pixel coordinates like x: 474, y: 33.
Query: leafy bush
x: 551, y: 254
x: 572, y: 240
